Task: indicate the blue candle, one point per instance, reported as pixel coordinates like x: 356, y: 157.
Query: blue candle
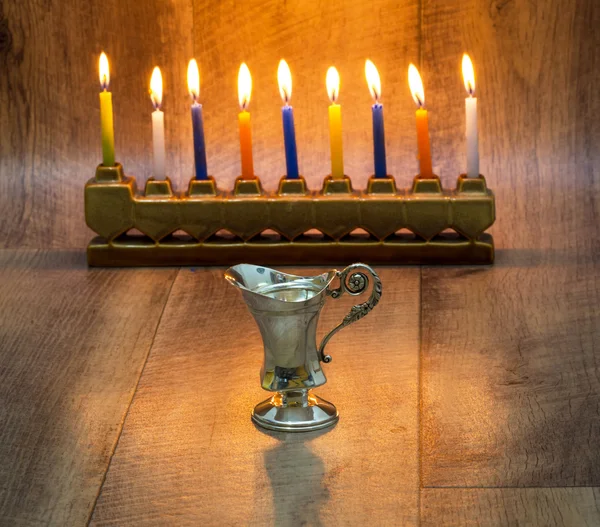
x: 199, y: 145
x: 374, y: 83
x: 379, y: 141
x: 289, y: 139
x: 193, y: 78
x: 284, y: 77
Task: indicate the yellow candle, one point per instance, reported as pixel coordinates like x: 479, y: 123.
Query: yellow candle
x: 335, y: 124
x: 106, y: 115
x: 416, y: 87
x: 244, y: 92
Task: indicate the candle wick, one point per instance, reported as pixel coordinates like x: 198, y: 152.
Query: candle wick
x: 375, y: 94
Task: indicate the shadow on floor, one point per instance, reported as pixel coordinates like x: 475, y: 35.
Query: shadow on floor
x: 296, y: 475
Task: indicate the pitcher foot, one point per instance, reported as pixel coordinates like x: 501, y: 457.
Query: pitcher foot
x: 295, y: 411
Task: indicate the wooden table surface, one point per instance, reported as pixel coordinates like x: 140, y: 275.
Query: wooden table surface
x: 470, y: 396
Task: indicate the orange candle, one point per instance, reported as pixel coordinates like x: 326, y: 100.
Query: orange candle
x: 244, y: 92
x: 416, y: 88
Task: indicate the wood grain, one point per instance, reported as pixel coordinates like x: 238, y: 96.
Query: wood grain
x: 575, y: 507
x: 189, y: 453
x: 510, y: 389
x: 537, y: 75
x: 49, y: 107
x: 311, y: 36
x: 72, y: 345
x: 511, y: 394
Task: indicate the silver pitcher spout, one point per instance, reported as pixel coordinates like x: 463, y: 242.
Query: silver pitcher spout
x: 287, y: 308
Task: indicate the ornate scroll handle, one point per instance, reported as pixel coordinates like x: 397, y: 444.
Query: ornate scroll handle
x: 353, y: 283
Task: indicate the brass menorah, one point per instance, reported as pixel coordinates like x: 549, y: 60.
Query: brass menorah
x: 398, y: 226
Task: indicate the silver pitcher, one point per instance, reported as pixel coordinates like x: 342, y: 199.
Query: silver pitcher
x: 286, y: 308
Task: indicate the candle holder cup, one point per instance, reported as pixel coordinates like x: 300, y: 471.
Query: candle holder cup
x: 333, y: 186
x: 381, y: 185
x: 337, y: 224
x: 202, y: 187
x: 292, y: 187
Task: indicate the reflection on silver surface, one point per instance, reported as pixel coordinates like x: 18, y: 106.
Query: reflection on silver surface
x: 286, y: 308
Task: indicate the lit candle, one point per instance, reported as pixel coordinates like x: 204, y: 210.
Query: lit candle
x: 284, y: 76
x: 471, y: 114
x: 416, y: 87
x: 158, y: 124
x: 374, y: 83
x: 335, y: 124
x: 106, y: 114
x: 193, y: 78
x: 244, y: 92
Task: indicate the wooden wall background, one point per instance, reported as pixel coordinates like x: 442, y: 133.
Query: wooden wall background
x: 537, y: 83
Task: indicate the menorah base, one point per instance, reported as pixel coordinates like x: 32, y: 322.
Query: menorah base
x: 295, y: 411
x: 134, y: 251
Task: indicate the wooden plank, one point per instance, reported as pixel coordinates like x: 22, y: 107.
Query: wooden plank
x: 311, y: 36
x: 72, y: 345
x: 561, y: 507
x: 190, y: 455
x: 510, y: 392
x: 49, y: 107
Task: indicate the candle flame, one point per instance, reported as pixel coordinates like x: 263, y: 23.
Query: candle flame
x: 284, y: 76
x: 156, y: 88
x: 193, y: 79
x: 416, y: 86
x: 244, y: 86
x: 468, y: 74
x: 373, y: 80
x: 333, y: 84
x: 104, y: 71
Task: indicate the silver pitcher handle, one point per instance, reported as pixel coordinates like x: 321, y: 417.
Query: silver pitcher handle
x: 353, y: 283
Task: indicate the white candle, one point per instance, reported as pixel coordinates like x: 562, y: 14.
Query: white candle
x: 158, y: 141
x: 158, y: 125
x: 471, y: 116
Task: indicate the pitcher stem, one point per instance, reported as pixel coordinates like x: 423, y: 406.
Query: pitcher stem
x: 293, y: 398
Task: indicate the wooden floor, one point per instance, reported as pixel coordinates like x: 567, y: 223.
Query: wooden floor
x: 470, y: 396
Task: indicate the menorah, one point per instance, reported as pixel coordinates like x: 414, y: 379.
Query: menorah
x: 292, y: 225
